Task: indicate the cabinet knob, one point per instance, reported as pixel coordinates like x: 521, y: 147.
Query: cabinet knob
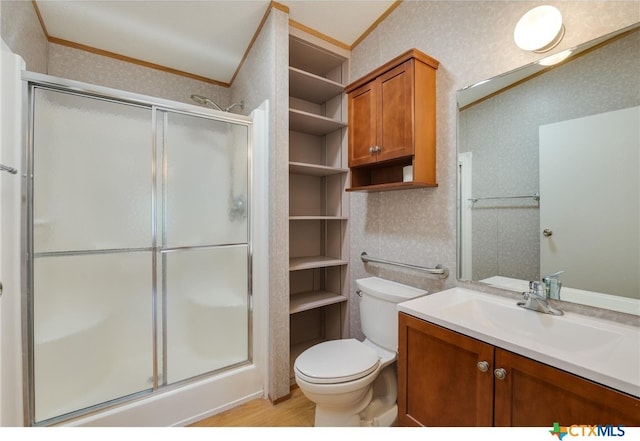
x: 483, y: 366
x: 372, y: 150
x: 500, y: 373
x: 377, y: 148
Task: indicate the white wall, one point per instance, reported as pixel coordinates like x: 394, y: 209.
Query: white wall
x: 590, y: 199
x: 10, y: 202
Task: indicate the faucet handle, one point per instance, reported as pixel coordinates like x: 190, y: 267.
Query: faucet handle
x: 534, y: 286
x: 555, y: 275
x: 553, y: 285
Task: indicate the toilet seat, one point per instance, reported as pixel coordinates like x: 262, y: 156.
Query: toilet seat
x: 336, y: 361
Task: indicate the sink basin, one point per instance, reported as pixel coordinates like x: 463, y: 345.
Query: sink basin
x: 597, y: 349
x: 564, y: 334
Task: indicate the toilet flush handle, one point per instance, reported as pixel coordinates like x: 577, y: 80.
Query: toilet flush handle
x: 359, y: 293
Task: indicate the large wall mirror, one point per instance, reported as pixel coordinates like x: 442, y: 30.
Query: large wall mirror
x: 548, y: 175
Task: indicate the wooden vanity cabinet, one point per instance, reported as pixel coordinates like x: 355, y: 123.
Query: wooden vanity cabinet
x: 391, y: 119
x: 535, y: 394
x: 442, y: 381
x: 439, y: 383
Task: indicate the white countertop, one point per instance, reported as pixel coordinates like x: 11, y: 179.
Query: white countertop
x: 599, y: 350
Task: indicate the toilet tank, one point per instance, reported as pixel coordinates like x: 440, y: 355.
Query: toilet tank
x: 379, y: 311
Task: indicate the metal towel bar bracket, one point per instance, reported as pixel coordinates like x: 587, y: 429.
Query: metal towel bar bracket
x: 11, y: 170
x: 535, y: 197
x: 438, y: 270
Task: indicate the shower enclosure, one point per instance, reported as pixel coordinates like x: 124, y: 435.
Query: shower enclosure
x: 137, y: 252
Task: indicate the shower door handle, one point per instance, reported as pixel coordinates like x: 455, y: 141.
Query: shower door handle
x: 6, y: 168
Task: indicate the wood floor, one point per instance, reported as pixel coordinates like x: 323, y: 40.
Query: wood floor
x: 297, y: 411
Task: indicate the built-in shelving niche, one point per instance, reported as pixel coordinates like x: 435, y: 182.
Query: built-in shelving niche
x: 318, y: 203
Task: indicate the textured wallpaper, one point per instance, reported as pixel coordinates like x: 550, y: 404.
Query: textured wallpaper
x: 268, y: 61
x: 473, y: 41
x: 21, y: 31
x: 256, y: 82
x: 79, y: 65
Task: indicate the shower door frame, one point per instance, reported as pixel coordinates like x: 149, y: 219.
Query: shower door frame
x: 159, y: 110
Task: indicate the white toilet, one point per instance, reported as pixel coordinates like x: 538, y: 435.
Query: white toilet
x: 354, y: 383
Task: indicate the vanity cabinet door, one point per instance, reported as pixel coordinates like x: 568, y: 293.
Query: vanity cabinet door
x: 533, y: 394
x: 442, y: 380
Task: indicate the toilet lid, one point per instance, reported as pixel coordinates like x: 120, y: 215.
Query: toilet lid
x: 336, y: 361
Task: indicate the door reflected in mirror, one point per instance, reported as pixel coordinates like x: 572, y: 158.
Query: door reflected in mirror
x: 549, y: 175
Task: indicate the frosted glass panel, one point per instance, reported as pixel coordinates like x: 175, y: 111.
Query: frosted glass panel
x: 103, y: 313
x: 206, y: 183
x: 92, y: 330
x: 207, y: 310
x: 92, y: 173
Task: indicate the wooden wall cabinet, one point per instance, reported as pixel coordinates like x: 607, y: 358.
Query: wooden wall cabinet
x: 392, y: 124
x: 448, y: 379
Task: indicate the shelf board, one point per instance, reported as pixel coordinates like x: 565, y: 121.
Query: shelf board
x: 303, y: 263
x: 305, y: 122
x: 310, y: 87
x: 302, y: 218
x: 313, y: 299
x: 310, y: 58
x: 391, y: 186
x: 302, y: 168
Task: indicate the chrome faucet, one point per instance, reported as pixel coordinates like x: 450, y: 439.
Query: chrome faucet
x: 536, y: 300
x: 552, y: 285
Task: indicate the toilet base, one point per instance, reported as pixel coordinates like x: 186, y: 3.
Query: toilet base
x: 376, y: 414
x: 376, y: 408
x: 386, y: 418
x: 382, y: 411
x: 343, y: 414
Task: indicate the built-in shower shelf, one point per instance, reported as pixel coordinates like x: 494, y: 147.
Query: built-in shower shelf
x: 63, y: 325
x: 330, y: 218
x: 301, y: 168
x: 313, y: 299
x: 303, y: 263
x: 305, y: 122
x: 41, y: 222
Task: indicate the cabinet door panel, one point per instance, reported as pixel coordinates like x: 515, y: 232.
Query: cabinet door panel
x: 395, y: 131
x: 439, y: 383
x: 362, y: 124
x: 534, y: 394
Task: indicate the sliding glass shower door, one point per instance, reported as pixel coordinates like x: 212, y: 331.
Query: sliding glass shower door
x: 204, y: 245
x: 138, y: 256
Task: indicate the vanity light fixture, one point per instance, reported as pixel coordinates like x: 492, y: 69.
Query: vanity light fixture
x: 540, y: 29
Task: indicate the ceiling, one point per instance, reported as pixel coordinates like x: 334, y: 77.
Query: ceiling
x: 204, y: 38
